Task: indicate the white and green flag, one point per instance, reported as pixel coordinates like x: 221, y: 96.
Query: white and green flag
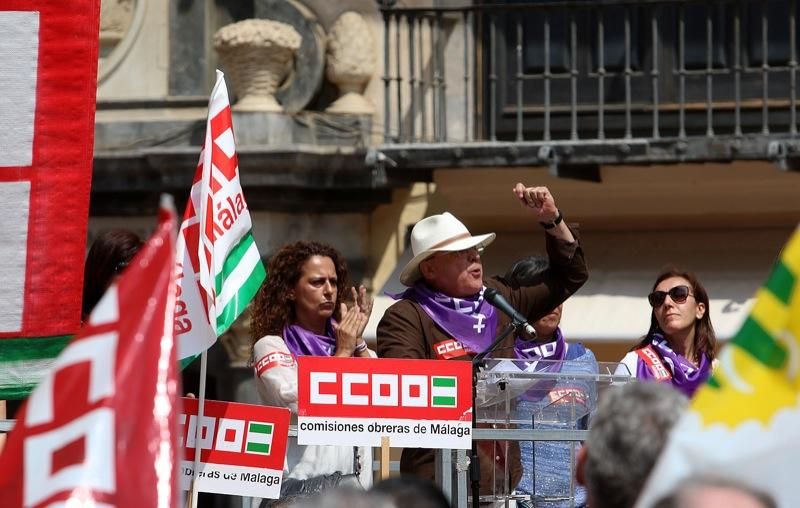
x: 744, y: 423
x: 218, y: 265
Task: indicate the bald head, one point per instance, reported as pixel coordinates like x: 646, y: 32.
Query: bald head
x: 701, y: 493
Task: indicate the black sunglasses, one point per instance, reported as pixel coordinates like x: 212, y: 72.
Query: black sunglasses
x: 678, y: 294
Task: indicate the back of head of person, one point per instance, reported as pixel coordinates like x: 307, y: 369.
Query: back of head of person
x: 527, y: 271
x: 110, y: 253
x: 411, y: 492
x: 704, y: 492
x: 341, y: 497
x: 626, y: 435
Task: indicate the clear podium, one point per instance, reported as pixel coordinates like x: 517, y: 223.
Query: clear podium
x: 531, y: 418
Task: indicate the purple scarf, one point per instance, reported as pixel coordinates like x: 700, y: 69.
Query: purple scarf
x: 531, y: 352
x: 685, y: 377
x: 302, y: 342
x: 471, y: 321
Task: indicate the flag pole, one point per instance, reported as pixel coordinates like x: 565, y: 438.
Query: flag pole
x: 197, y: 432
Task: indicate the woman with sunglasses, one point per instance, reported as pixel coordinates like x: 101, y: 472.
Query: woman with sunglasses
x: 680, y: 346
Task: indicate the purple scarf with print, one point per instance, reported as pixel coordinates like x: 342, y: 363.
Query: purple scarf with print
x: 530, y: 352
x: 471, y: 321
x: 302, y: 342
x: 685, y: 377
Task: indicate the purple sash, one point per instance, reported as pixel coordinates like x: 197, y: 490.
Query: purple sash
x: 685, y: 377
x: 302, y: 342
x: 533, y: 351
x: 471, y: 321
x: 530, y: 352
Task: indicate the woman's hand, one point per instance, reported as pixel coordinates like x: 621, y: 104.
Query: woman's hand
x: 350, y: 330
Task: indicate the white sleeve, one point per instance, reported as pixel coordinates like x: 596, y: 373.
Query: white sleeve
x: 630, y: 360
x: 276, y: 369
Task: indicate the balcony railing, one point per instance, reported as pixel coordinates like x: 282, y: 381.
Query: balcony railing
x: 596, y: 81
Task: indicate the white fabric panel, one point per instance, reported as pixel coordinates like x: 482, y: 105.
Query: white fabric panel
x: 19, y: 52
x: 14, y: 205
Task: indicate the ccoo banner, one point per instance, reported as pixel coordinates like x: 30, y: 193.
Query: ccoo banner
x: 48, y: 69
x: 357, y: 401
x: 242, y: 448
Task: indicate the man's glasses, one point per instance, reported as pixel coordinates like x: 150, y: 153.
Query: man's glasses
x: 466, y: 253
x: 678, y: 294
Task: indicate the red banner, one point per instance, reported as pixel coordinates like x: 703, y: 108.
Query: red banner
x: 384, y: 388
x: 48, y: 69
x: 236, y: 434
x: 101, y: 427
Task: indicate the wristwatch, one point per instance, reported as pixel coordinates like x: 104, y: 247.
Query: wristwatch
x: 550, y: 225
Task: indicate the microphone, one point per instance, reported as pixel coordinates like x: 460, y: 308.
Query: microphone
x: 496, y: 300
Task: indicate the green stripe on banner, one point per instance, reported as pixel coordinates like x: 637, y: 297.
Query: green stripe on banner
x: 444, y: 401
x: 444, y: 382
x: 33, y: 348
x: 258, y: 448
x: 188, y: 361
x: 243, y: 297
x: 233, y: 259
x: 756, y: 341
x: 18, y: 392
x: 781, y: 283
x: 24, y: 361
x: 261, y: 428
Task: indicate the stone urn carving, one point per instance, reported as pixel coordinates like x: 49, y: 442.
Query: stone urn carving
x: 350, y: 63
x: 257, y: 53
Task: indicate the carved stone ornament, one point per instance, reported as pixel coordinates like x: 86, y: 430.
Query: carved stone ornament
x: 120, y: 24
x: 257, y: 54
x: 350, y: 63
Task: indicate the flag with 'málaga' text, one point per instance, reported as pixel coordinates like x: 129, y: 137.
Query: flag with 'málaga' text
x: 218, y: 265
x: 744, y: 423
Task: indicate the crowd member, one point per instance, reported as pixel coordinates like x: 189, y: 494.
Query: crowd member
x: 443, y: 314
x: 109, y: 255
x: 547, y: 475
x: 680, y: 346
x: 704, y: 492
x: 300, y: 310
x: 411, y: 492
x: 627, y: 432
x: 343, y: 497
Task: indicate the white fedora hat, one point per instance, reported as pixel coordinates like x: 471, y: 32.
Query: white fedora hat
x: 439, y: 233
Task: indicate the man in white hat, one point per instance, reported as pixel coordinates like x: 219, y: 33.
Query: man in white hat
x: 443, y: 314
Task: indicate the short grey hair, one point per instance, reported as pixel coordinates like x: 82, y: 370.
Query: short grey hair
x: 344, y: 497
x: 626, y: 436
x: 682, y: 497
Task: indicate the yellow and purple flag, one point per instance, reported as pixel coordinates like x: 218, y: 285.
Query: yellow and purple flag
x: 744, y: 424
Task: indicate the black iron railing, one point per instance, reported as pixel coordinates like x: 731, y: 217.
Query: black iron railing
x: 682, y: 75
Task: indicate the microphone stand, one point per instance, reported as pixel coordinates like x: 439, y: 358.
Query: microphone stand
x: 477, y: 362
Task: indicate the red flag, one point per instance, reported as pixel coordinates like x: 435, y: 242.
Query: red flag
x: 102, y: 425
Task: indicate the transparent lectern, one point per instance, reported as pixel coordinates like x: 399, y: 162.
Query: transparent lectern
x: 531, y: 418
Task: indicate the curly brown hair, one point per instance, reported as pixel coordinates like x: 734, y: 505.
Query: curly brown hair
x: 271, y: 309
x: 705, y: 340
